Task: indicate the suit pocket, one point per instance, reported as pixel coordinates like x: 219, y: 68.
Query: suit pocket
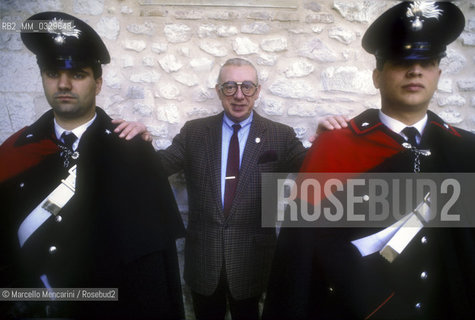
x: 268, y: 156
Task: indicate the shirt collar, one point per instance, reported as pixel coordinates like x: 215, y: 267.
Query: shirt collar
x: 78, y: 131
x: 397, y: 126
x: 228, y: 122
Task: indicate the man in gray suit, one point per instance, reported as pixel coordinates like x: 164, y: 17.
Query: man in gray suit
x: 227, y: 252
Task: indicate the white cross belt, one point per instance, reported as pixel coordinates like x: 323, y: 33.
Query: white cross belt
x: 51, y: 205
x: 391, y: 241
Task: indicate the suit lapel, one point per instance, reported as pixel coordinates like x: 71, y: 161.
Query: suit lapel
x: 213, y: 142
x: 255, y: 140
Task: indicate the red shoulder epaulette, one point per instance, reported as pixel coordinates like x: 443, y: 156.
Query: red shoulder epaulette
x: 15, y: 159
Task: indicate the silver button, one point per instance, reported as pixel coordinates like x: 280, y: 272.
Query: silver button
x: 424, y: 275
x: 418, y: 306
x: 365, y: 197
x: 424, y: 240
x: 52, y: 250
x: 29, y: 136
x: 365, y: 124
x: 330, y: 289
x: 58, y: 219
x: 22, y: 184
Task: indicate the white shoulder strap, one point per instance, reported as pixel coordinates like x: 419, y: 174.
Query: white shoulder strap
x: 51, y: 205
x: 391, y: 241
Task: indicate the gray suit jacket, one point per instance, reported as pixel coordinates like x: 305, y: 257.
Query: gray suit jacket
x: 238, y: 241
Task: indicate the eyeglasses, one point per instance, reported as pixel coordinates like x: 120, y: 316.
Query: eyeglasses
x: 229, y: 88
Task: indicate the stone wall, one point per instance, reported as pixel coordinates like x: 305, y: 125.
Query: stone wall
x: 165, y: 61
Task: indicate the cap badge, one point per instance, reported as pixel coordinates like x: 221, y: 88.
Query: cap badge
x: 422, y: 9
x: 59, y: 29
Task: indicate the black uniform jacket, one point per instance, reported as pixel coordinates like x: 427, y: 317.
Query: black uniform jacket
x: 318, y: 274
x: 118, y: 231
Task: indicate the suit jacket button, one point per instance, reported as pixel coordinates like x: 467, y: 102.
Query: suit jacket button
x: 52, y: 250
x: 424, y: 240
x: 418, y: 306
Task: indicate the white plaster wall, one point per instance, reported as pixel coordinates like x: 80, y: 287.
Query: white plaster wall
x: 165, y: 61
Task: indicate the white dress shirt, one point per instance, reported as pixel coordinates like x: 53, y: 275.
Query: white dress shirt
x: 78, y: 131
x: 397, y: 126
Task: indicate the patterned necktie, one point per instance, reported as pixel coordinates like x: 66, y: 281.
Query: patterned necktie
x: 232, y: 171
x: 411, y: 134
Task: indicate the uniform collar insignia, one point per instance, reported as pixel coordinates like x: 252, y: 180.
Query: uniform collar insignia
x: 39, y: 130
x: 422, y: 9
x: 365, y: 122
x: 436, y: 120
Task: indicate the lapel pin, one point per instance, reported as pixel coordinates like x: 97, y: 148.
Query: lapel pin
x: 258, y: 140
